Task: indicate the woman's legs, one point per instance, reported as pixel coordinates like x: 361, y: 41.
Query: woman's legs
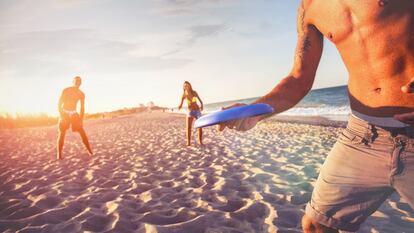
x: 189, y: 125
x: 200, y: 136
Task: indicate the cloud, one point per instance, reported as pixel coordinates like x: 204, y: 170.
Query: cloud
x: 201, y: 31
x: 185, y: 7
x: 196, y: 33
x: 47, y: 53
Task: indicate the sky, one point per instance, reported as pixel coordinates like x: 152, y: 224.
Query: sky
x: 132, y: 52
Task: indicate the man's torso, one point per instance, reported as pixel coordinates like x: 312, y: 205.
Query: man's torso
x: 375, y: 39
x: 71, y: 96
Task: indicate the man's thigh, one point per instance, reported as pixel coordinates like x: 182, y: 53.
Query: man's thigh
x: 64, y: 123
x: 404, y: 182
x: 76, y: 122
x: 352, y: 184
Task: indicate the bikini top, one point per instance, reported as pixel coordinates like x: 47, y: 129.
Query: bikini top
x: 193, y: 100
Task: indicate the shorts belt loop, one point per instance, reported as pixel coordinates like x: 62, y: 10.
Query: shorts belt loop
x: 397, y: 165
x: 368, y: 135
x: 400, y: 142
x: 374, y: 133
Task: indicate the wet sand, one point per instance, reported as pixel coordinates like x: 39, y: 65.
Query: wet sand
x: 143, y: 178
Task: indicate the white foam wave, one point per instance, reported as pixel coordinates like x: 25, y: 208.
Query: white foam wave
x: 319, y: 111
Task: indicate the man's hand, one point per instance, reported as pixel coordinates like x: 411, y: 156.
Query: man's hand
x: 239, y: 125
x: 409, y: 88
x: 61, y: 113
x: 407, y: 118
x: 201, y: 108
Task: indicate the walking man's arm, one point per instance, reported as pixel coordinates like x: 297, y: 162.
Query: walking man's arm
x: 82, y: 107
x: 60, y: 104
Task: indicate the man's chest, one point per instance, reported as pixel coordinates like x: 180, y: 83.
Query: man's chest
x: 338, y: 19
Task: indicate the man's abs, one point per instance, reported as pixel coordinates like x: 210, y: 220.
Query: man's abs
x: 382, y: 98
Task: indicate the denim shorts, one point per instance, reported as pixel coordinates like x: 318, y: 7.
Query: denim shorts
x: 195, y: 113
x: 366, y: 165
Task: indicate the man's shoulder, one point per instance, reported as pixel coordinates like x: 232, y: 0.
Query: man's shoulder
x: 67, y: 89
x: 73, y: 91
x: 309, y: 10
x: 306, y: 3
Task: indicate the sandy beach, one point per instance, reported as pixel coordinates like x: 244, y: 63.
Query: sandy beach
x: 143, y: 178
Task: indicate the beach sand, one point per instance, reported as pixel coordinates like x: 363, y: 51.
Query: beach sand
x: 143, y: 178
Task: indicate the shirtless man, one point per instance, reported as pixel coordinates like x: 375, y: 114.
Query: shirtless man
x: 374, y: 156
x: 69, y: 116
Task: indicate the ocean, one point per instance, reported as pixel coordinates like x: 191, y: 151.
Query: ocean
x: 332, y: 103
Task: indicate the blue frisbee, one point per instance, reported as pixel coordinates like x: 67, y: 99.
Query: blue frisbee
x: 232, y: 114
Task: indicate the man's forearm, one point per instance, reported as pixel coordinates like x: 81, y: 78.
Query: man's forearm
x: 286, y: 94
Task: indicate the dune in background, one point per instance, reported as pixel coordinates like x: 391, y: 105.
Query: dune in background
x: 26, y: 120
x: 142, y: 178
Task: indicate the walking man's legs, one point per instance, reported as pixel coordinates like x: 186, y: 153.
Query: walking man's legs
x: 60, y: 142
x: 85, y: 141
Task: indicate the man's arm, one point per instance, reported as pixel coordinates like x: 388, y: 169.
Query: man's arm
x: 60, y: 103
x: 82, y: 106
x: 288, y: 92
x: 407, y: 118
x: 298, y: 83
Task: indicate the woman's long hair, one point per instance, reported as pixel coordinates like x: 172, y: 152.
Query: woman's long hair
x: 191, y: 88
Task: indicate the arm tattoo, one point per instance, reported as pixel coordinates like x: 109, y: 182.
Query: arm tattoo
x: 306, y: 44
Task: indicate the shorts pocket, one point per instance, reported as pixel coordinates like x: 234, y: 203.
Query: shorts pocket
x: 347, y: 136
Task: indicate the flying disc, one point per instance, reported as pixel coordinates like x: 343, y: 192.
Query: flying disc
x: 232, y: 114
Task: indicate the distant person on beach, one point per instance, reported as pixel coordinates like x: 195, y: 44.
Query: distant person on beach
x: 70, y: 117
x: 194, y: 111
x: 374, y: 155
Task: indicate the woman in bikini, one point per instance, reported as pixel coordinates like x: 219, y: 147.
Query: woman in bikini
x: 194, y: 111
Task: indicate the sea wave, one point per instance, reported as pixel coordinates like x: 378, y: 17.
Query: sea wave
x: 318, y: 111
x: 328, y: 102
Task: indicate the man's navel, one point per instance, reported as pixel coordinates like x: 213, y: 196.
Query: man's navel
x: 377, y: 90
